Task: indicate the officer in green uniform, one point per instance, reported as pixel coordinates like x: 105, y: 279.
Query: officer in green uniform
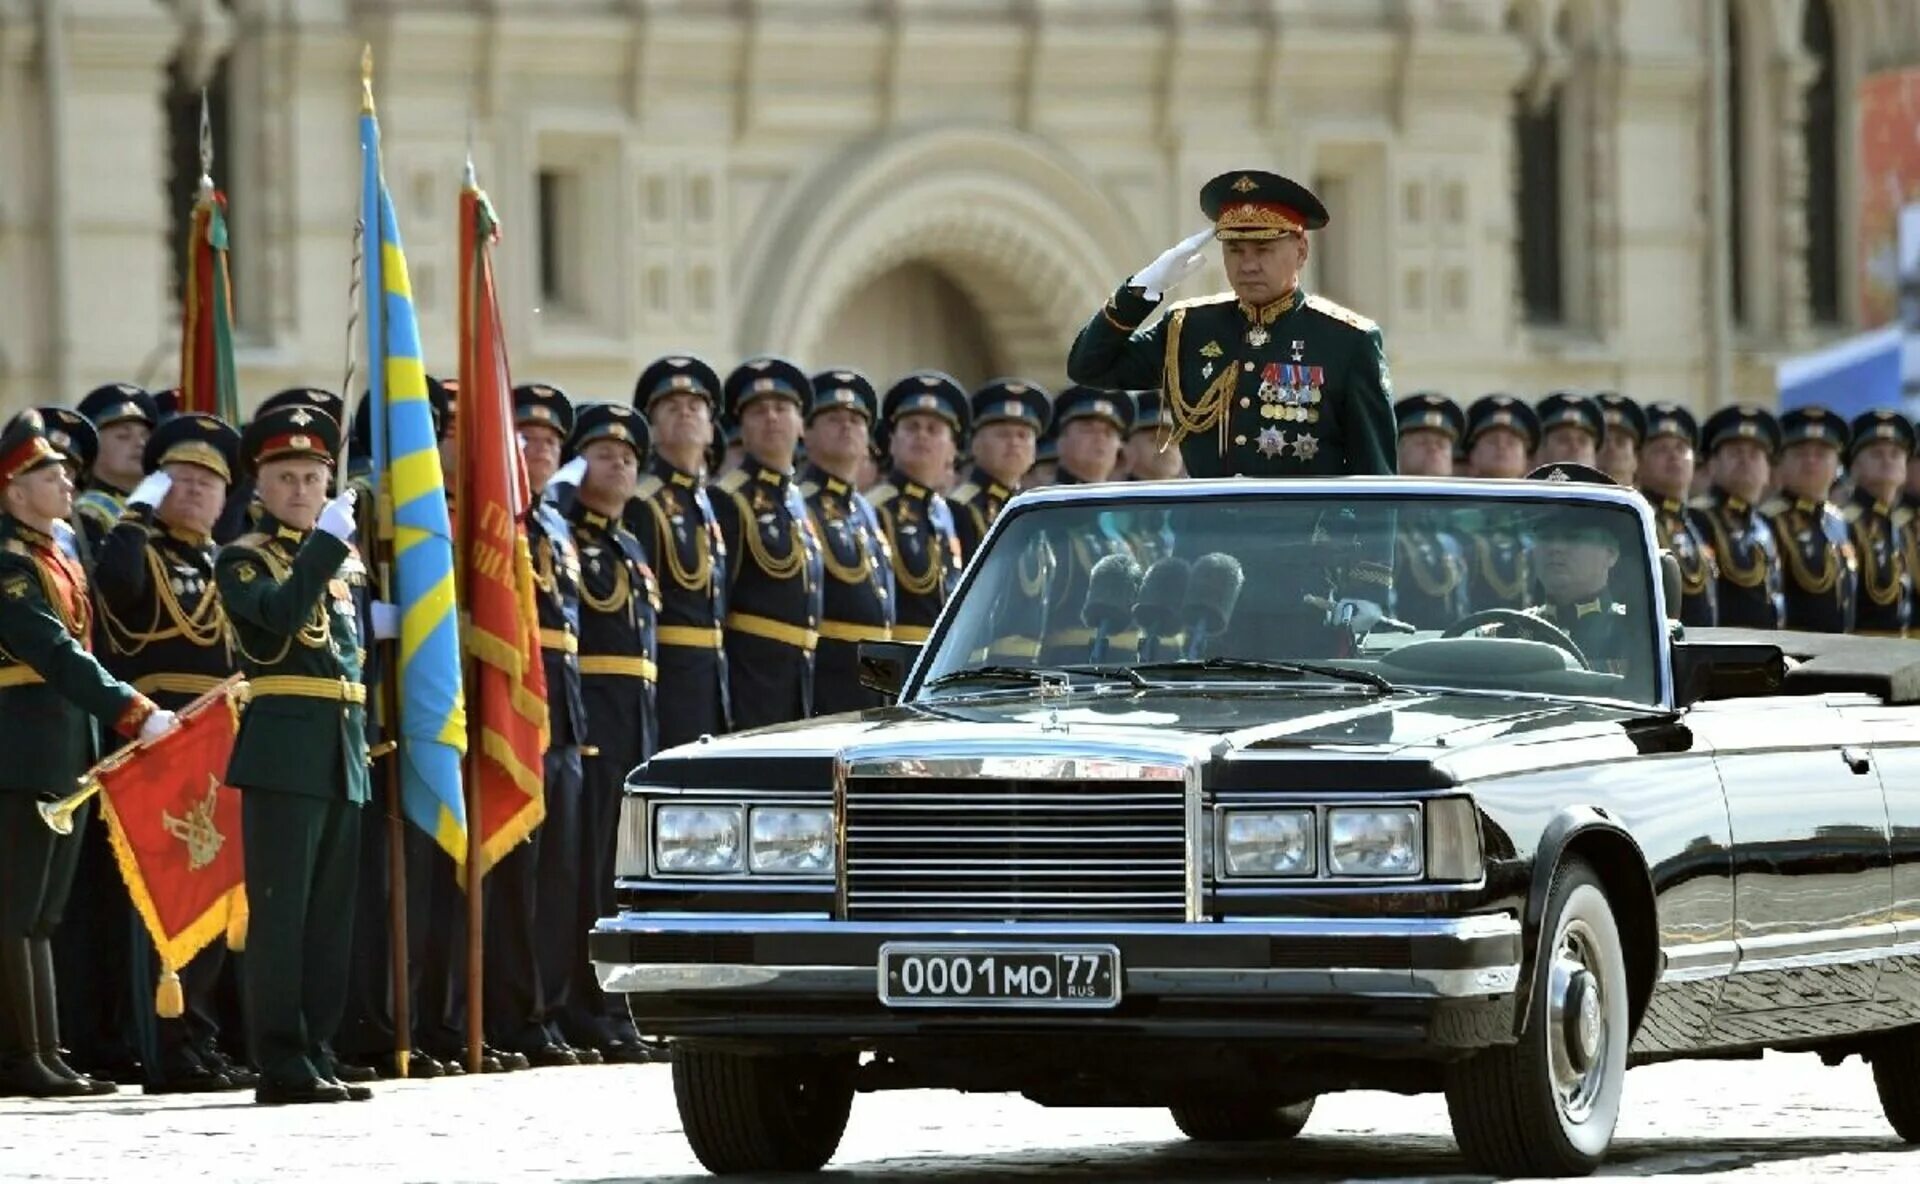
x: 53, y: 695
x: 165, y: 633
x: 619, y: 612
x: 1877, y: 459
x: 1740, y: 445
x: 1430, y: 567
x: 926, y: 417
x: 1816, y: 552
x: 1571, y: 428
x: 1665, y: 465
x: 300, y: 758
x: 124, y: 416
x: 1626, y: 424
x: 1502, y: 432
x: 672, y: 516
x: 773, y: 561
x: 1009, y: 417
x: 857, y: 588
x: 1263, y: 381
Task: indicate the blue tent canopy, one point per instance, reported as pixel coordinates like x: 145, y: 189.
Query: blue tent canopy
x: 1848, y: 377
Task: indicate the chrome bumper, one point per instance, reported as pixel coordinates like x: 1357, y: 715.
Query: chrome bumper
x: 1416, y: 958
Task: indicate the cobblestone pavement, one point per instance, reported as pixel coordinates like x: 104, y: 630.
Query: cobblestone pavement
x: 1785, y: 1118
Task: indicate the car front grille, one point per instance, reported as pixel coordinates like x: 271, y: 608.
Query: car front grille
x: 955, y: 849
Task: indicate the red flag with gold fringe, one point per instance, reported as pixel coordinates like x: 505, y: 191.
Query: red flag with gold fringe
x: 175, y: 829
x: 507, y: 686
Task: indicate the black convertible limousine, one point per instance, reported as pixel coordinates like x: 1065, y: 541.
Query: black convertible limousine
x: 1231, y: 854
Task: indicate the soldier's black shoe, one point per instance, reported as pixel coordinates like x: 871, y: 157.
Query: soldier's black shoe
x: 185, y: 1074
x: 354, y: 1074
x: 421, y: 1067
x: 510, y: 1062
x: 26, y: 1076
x: 627, y: 1052
x: 238, y: 1075
x: 550, y: 1056
x: 307, y: 1093
x: 355, y: 1093
x: 586, y: 1055
x: 96, y: 1087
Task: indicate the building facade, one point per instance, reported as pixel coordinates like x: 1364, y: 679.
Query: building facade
x: 1526, y: 193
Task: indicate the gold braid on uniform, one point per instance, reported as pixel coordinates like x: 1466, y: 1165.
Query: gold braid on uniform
x: 1210, y: 410
x: 784, y: 568
x: 1692, y: 581
x: 698, y: 579
x: 1424, y: 578
x: 1879, y: 594
x: 1751, y: 576
x: 1042, y: 571
x: 860, y: 570
x: 1803, y: 576
x: 1490, y: 571
x: 616, y: 600
x: 925, y: 582
x: 205, y: 626
x: 315, y: 633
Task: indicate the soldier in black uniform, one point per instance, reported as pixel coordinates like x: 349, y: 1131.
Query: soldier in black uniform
x: 1877, y: 459
x: 532, y: 893
x: 1046, y: 458
x: 1430, y: 568
x: 1575, y: 556
x: 124, y: 416
x: 1150, y: 454
x: 72, y: 435
x: 1009, y: 416
x: 1501, y: 433
x: 619, y: 603
x: 1092, y: 424
x: 1626, y: 433
x: 773, y: 560
x: 1665, y: 465
x: 1816, y: 553
x: 1571, y: 428
x: 672, y: 515
x: 1740, y: 444
x: 857, y: 591
x: 165, y: 633
x: 926, y: 417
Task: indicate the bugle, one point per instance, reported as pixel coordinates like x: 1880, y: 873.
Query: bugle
x: 58, y: 814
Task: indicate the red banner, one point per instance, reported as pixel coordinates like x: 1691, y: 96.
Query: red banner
x: 507, y: 692
x: 175, y: 828
x: 207, y: 380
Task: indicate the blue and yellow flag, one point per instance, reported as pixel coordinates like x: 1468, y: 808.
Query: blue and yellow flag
x: 405, y: 463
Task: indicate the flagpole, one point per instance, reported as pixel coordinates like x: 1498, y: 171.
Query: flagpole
x: 464, y: 530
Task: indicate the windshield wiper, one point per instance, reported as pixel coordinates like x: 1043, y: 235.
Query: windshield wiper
x: 1034, y: 675
x: 1265, y: 666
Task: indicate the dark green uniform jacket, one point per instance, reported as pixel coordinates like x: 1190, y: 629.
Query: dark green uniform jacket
x: 290, y: 597
x: 1296, y: 388
x: 52, y: 691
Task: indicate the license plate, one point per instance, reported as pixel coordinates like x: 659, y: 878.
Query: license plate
x: 999, y: 976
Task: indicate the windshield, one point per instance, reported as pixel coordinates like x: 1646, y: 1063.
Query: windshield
x: 1371, y: 594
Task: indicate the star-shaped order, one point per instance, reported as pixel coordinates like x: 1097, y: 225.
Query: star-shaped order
x: 1307, y: 446
x: 1272, y: 442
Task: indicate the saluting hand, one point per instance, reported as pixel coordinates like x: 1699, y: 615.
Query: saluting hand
x: 1174, y: 265
x: 569, y: 474
x: 336, y: 517
x: 151, y: 491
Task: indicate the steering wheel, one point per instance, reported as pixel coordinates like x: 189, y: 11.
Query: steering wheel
x: 1537, y: 628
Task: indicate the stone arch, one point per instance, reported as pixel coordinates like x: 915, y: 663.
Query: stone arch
x: 1017, y: 226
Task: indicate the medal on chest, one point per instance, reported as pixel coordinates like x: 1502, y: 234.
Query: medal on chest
x: 1258, y: 336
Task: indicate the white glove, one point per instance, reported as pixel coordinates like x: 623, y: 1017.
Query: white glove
x: 1175, y: 264
x: 157, y: 724
x: 569, y: 474
x: 386, y: 620
x: 151, y: 491
x: 1360, y: 615
x: 336, y: 517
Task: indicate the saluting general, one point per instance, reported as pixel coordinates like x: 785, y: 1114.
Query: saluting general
x: 857, y: 588
x: 1266, y: 380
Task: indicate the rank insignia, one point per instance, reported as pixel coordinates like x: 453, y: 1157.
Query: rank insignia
x: 16, y: 587
x: 246, y: 573
x: 1272, y: 442
x: 1211, y: 350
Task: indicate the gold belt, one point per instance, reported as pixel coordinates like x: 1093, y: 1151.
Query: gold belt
x: 176, y: 684
x: 852, y: 631
x: 301, y: 686
x: 1085, y: 637
x: 19, y: 676
x: 1014, y: 647
x: 559, y: 639
x: 698, y: 637
x: 912, y: 632
x: 757, y: 626
x: 617, y: 665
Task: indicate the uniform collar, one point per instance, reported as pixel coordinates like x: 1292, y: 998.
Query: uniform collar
x: 191, y: 538
x: 817, y: 476
x: 673, y: 474
x: 908, y: 487
x: 29, y: 535
x: 1268, y: 313
x: 991, y: 484
x: 764, y: 473
x: 279, y: 532
x: 1577, y: 610
x: 1672, y: 505
x: 95, y: 481
x: 1862, y: 498
x: 1738, y: 505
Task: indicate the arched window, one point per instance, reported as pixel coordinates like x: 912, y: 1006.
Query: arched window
x: 1822, y: 132
x: 1536, y: 140
x: 182, y: 107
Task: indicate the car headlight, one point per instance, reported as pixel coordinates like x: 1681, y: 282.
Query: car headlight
x: 699, y: 839
x: 1268, y: 842
x: 785, y: 841
x: 1374, y: 842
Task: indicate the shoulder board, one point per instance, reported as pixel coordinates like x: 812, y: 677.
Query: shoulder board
x: 251, y: 542
x: 649, y: 485
x: 1773, y: 507
x: 882, y: 493
x: 1703, y: 502
x: 1339, y: 312
x: 1197, y: 301
x: 809, y: 488
x: 964, y: 493
x: 105, y: 513
x: 16, y: 547
x: 732, y: 482
x: 1853, y: 511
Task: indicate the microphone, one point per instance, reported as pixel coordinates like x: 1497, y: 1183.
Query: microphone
x: 1158, y: 609
x: 1212, y: 592
x: 1111, y: 587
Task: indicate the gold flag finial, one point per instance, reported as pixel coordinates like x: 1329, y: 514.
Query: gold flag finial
x: 206, y: 148
x: 366, y: 80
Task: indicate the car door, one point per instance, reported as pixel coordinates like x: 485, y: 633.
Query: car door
x: 1894, y: 733
x: 1811, y: 862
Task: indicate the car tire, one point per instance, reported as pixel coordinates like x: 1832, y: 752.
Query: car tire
x: 1212, y: 1122
x: 1547, y: 1104
x: 746, y: 1113
x: 1896, y: 1077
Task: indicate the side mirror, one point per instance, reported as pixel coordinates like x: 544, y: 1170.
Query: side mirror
x: 884, y: 665
x: 1707, y: 670
x: 1670, y: 583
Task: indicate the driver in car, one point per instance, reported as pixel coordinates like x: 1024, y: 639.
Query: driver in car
x: 1573, y: 555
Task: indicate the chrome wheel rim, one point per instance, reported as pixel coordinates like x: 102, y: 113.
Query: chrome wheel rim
x: 1578, y: 1035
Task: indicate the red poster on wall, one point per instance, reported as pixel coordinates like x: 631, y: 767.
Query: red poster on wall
x: 1889, y: 182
